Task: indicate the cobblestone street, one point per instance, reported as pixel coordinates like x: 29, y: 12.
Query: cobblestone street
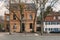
x: 30, y: 36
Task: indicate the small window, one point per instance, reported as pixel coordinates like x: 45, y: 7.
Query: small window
x: 7, y: 18
x: 45, y: 29
x: 30, y: 25
x: 14, y: 26
x: 49, y: 29
x: 58, y: 23
x: 48, y: 23
x: 7, y: 26
x: 14, y: 17
x: 45, y: 23
x: 53, y: 23
x: 30, y: 17
x: 58, y: 29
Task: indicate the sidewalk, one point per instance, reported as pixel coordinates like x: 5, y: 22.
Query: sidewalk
x: 38, y: 34
x: 31, y: 34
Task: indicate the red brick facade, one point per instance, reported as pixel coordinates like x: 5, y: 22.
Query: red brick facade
x: 28, y: 20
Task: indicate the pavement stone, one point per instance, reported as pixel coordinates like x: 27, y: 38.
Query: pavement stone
x: 28, y: 36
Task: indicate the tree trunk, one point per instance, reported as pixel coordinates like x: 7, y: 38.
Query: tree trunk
x: 41, y: 27
x: 9, y: 25
x: 34, y: 21
x: 21, y: 24
x: 42, y: 12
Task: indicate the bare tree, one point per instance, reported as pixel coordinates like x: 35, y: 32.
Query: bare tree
x: 39, y: 4
x: 42, y: 4
x: 21, y: 5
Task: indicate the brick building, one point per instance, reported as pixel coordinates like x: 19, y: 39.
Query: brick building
x: 12, y: 19
x: 52, y: 22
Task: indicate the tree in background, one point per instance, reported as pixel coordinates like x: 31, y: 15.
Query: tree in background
x: 1, y: 23
x: 39, y: 4
x: 21, y: 5
x: 43, y: 11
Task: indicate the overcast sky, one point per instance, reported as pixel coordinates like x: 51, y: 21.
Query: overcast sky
x: 3, y: 9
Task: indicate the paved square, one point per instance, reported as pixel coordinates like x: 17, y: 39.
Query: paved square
x: 23, y: 36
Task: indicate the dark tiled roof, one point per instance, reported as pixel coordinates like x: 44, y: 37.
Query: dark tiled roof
x: 14, y: 6
x: 28, y: 6
x: 51, y: 15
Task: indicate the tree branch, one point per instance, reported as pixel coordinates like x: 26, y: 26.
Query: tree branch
x: 14, y: 13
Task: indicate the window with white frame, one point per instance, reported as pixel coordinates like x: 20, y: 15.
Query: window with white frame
x: 58, y: 23
x: 52, y: 23
x: 7, y: 18
x: 47, y: 23
x: 45, y: 29
x: 30, y: 16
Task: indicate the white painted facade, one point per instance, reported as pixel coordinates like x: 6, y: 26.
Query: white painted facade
x: 51, y: 27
